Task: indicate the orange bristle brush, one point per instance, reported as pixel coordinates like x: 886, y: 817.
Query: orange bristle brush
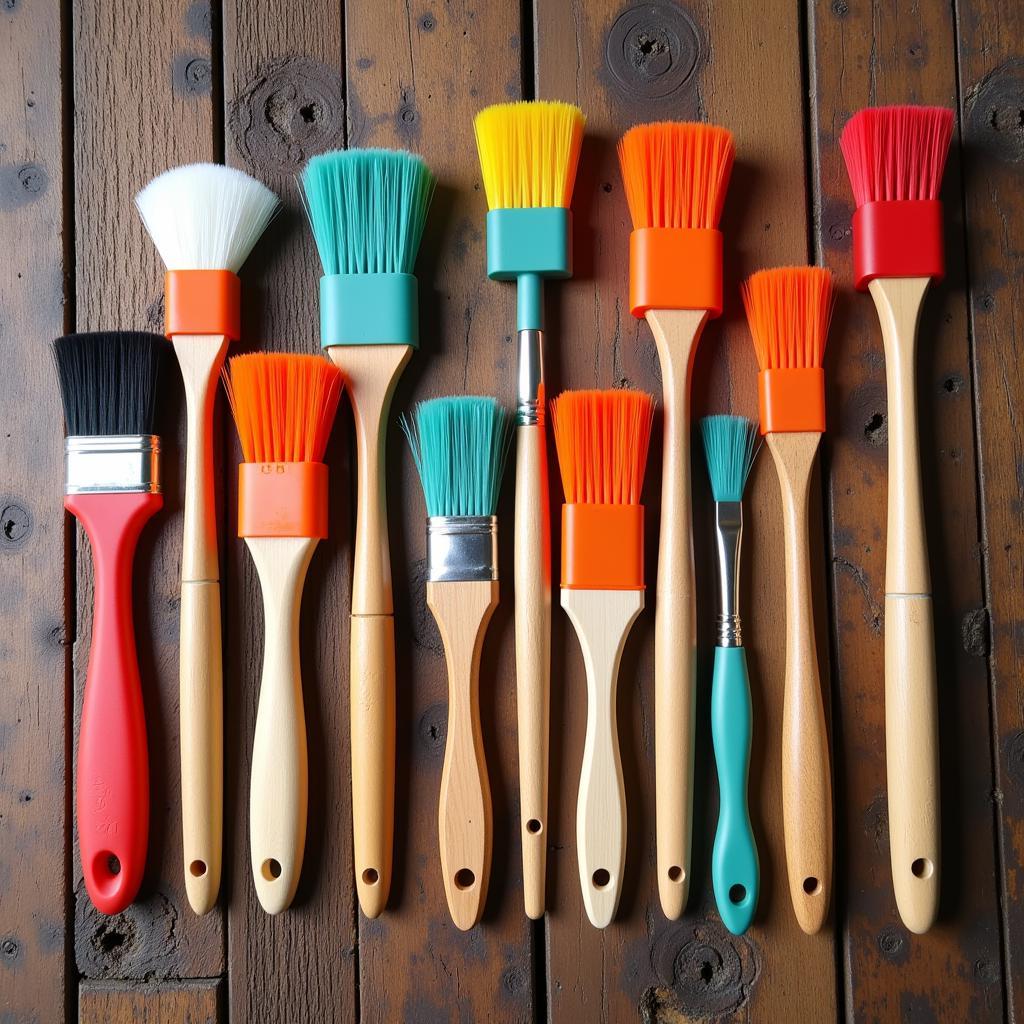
x: 284, y: 408
x: 676, y: 175
x: 602, y: 439
x: 788, y: 310
x: 895, y: 157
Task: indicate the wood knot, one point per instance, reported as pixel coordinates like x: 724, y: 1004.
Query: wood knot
x: 192, y: 75
x: 21, y: 184
x: 10, y: 950
x: 994, y: 113
x: 652, y: 50
x: 893, y: 945
x: 432, y: 729
x: 290, y: 112
x: 15, y: 525
x: 974, y: 632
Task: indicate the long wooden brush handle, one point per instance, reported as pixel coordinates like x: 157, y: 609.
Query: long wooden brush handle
x: 462, y: 611
x: 806, y: 776
x: 278, y: 788
x: 533, y: 655
x: 676, y: 333
x: 602, y: 620
x: 371, y: 373
x: 911, y: 713
x: 200, y: 673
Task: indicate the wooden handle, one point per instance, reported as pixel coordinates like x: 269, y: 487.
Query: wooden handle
x: 911, y: 716
x: 278, y: 789
x: 462, y: 611
x: 602, y: 619
x: 372, y: 714
x: 533, y: 656
x: 676, y: 333
x: 202, y: 741
x: 806, y: 776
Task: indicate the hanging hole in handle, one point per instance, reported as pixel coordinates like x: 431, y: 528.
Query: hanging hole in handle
x: 271, y: 869
x: 197, y: 868
x: 601, y: 878
x: 922, y: 868
x: 464, y: 879
x: 737, y: 894
x: 812, y: 886
x: 534, y: 827
x: 676, y: 873
x: 371, y: 876
x: 106, y: 871
x: 113, y: 864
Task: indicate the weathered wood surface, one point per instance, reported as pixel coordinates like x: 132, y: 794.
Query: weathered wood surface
x: 263, y: 87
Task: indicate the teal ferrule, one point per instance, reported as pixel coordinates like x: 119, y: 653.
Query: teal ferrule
x: 369, y: 309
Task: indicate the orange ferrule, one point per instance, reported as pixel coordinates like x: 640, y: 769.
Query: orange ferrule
x: 675, y: 268
x: 203, y: 302
x: 282, y: 499
x: 603, y: 547
x: 792, y: 401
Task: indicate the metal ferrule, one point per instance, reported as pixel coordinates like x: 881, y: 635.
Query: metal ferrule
x: 728, y: 537
x: 112, y: 463
x: 530, y: 391
x: 462, y: 548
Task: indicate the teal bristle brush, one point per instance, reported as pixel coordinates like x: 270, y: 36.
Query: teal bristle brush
x: 367, y: 209
x: 460, y: 446
x: 730, y: 445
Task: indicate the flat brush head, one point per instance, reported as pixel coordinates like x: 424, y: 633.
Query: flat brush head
x: 205, y: 216
x: 730, y: 447
x: 460, y: 446
x: 108, y: 381
x: 676, y: 173
x: 367, y: 209
x: 529, y: 152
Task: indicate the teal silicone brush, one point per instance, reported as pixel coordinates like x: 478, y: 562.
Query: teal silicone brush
x: 730, y: 445
x: 367, y: 209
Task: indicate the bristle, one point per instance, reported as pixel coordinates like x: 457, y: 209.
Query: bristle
x: 460, y: 446
x: 205, y: 216
x: 602, y: 439
x: 367, y: 209
x: 283, y: 405
x: 676, y: 173
x: 529, y: 152
x: 730, y: 447
x: 896, y: 153
x: 788, y: 310
x: 109, y: 380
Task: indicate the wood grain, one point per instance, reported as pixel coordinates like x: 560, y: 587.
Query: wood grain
x: 191, y: 1002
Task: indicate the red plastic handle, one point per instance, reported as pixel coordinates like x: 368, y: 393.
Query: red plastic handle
x: 113, y: 765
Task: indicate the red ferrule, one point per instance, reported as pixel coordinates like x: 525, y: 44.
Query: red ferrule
x: 899, y: 238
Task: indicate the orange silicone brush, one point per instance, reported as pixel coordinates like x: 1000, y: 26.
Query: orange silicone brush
x: 788, y: 310
x: 676, y: 175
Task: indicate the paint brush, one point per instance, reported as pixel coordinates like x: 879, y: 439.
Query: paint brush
x: 528, y: 157
x: 109, y: 384
x: 460, y: 446
x: 204, y: 220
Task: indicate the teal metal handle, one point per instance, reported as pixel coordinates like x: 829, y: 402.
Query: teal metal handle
x: 734, y: 867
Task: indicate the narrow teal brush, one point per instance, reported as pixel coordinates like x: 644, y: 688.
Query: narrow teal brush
x: 460, y: 446
x: 730, y: 445
x: 367, y: 209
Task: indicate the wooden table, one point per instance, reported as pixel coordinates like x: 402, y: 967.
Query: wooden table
x: 98, y: 97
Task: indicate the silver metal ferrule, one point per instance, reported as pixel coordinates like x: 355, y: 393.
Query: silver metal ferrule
x: 462, y: 548
x: 728, y: 537
x: 530, y: 391
x: 112, y: 463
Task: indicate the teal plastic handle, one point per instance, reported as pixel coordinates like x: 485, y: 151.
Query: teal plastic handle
x: 734, y: 867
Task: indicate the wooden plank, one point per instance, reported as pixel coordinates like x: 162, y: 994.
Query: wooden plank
x: 418, y: 85
x: 991, y: 65
x: 737, y: 65
x: 34, y: 657
x: 874, y: 54
x: 281, y: 109
x: 187, y: 1002
x: 142, y: 93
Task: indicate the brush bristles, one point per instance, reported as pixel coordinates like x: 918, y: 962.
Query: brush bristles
x: 896, y: 153
x: 602, y: 439
x: 460, y: 446
x: 205, y: 216
x: 108, y: 381
x: 788, y: 310
x: 529, y: 152
x: 730, y: 447
x: 283, y: 405
x: 676, y: 173
x: 367, y: 209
